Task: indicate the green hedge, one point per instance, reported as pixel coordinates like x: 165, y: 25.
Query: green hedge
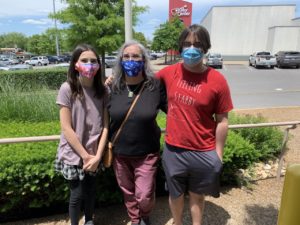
x: 27, y: 175
x: 267, y: 140
x: 28, y: 179
x: 28, y: 80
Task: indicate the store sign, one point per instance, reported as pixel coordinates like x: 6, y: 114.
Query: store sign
x: 182, y: 11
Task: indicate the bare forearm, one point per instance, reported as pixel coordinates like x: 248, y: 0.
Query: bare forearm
x: 104, y: 135
x: 221, y: 133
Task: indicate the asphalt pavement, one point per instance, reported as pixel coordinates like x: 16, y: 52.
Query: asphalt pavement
x: 253, y: 88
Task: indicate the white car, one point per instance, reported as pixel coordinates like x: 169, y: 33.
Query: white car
x: 262, y: 59
x: 5, y: 61
x: 110, y: 61
x: 214, y: 60
x: 38, y: 61
x: 159, y: 54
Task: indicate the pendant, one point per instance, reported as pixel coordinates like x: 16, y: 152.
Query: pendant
x: 130, y: 94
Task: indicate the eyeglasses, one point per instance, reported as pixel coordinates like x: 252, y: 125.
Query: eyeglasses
x: 92, y: 61
x: 134, y: 57
x: 188, y: 44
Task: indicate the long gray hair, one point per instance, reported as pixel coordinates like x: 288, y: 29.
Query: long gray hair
x: 119, y: 76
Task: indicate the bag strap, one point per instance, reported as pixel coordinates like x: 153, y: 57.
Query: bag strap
x: 127, y: 115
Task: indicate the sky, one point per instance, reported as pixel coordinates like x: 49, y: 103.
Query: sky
x: 31, y: 16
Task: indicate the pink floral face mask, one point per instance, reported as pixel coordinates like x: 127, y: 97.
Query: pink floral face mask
x: 88, y: 70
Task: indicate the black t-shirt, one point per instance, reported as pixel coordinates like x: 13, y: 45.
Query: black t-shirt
x: 140, y: 134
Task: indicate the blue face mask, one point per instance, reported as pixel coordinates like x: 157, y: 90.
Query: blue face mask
x: 132, y: 68
x: 191, y: 56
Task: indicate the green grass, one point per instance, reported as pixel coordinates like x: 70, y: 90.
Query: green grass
x: 35, y: 106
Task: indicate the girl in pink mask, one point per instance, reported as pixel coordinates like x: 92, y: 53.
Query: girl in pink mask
x: 84, y: 123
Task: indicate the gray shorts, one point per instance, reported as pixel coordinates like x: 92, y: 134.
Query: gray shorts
x: 195, y: 171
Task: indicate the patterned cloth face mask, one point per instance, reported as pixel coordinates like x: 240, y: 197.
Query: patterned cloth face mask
x: 88, y: 70
x: 191, y: 56
x: 132, y: 68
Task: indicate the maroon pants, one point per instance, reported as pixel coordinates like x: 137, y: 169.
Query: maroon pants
x: 136, y: 178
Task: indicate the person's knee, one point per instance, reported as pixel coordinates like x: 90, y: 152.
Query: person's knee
x: 195, y: 196
x: 75, y: 196
x: 75, y: 199
x: 144, y: 198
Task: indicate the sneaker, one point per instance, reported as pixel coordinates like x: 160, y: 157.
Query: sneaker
x: 145, y: 221
x: 90, y: 222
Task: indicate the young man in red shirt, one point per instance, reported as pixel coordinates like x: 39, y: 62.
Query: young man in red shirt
x: 197, y: 122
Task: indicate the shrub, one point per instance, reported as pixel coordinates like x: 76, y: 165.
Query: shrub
x: 239, y: 153
x: 27, y: 175
x: 267, y: 140
x: 29, y: 80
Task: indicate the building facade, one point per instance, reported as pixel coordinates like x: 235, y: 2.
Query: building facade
x: 242, y: 30
x: 182, y: 9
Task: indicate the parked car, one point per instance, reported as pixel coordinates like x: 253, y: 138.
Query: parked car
x: 5, y: 61
x: 214, y: 60
x: 38, y: 61
x: 153, y: 56
x: 159, y: 54
x: 53, y: 59
x: 110, y: 61
x: 288, y: 59
x: 23, y: 58
x: 65, y: 58
x: 262, y: 59
x: 14, y: 61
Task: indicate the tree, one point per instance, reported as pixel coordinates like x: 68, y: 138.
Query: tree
x: 96, y: 22
x: 39, y: 44
x: 166, y: 36
x: 13, y: 40
x: 140, y: 37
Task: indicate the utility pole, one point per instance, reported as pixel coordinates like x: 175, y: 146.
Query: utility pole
x: 128, y: 20
x: 56, y: 36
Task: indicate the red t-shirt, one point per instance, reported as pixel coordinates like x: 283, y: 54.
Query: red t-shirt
x: 193, y: 100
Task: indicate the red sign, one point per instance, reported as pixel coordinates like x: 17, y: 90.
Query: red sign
x: 181, y: 8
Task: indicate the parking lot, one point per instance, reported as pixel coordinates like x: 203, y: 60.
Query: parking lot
x: 259, y: 88
x: 262, y: 88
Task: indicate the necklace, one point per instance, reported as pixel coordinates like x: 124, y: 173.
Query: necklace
x: 131, y: 92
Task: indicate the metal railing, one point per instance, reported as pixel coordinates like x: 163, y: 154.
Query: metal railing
x: 289, y: 125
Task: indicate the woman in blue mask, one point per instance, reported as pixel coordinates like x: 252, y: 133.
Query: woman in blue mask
x: 197, y: 121
x: 136, y: 148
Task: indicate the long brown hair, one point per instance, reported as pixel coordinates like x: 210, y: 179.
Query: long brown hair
x: 73, y: 74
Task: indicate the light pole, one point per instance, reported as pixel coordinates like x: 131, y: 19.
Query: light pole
x: 56, y: 36
x: 128, y: 20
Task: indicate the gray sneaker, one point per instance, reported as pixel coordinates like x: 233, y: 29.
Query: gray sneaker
x: 90, y: 222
